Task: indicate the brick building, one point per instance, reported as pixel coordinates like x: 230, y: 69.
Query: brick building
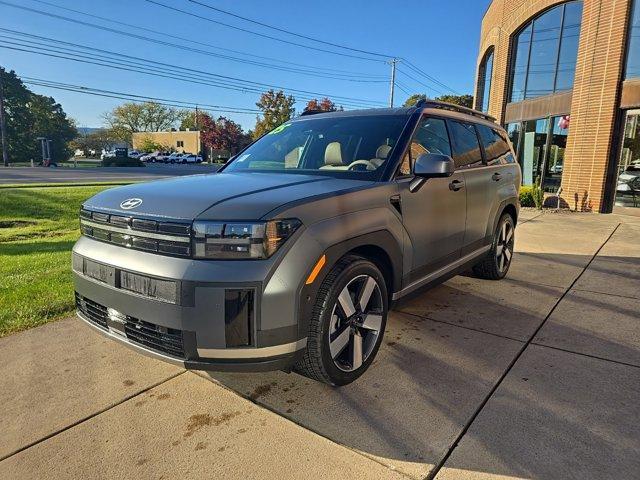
x: 564, y: 78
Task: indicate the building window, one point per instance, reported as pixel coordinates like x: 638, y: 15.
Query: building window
x: 179, y: 144
x: 540, y: 146
x: 633, y: 52
x: 484, y: 81
x: 545, y: 53
x: 628, y: 179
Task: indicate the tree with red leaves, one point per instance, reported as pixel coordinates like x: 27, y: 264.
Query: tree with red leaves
x: 222, y: 134
x: 324, y: 105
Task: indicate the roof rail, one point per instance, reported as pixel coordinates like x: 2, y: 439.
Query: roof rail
x: 426, y: 103
x: 311, y: 112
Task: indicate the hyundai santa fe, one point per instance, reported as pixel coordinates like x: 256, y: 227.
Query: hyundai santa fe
x: 291, y: 255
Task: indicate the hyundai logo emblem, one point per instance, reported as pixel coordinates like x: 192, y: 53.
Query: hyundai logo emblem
x: 130, y: 203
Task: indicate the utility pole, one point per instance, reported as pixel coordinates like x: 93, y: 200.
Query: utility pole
x: 3, y: 126
x: 393, y: 80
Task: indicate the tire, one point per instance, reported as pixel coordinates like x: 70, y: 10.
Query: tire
x: 354, y: 339
x: 495, y: 265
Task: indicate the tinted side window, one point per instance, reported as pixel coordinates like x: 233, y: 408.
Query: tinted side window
x: 466, y: 149
x: 496, y: 148
x: 430, y: 137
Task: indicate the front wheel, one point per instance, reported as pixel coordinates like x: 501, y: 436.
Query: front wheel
x: 347, y: 323
x: 496, y: 264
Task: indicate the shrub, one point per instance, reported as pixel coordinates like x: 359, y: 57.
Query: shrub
x: 526, y: 197
x: 538, y: 195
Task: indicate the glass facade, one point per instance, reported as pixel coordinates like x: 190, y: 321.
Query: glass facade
x: 484, y: 81
x: 545, y: 53
x: 628, y: 178
x: 633, y: 53
x: 540, y: 147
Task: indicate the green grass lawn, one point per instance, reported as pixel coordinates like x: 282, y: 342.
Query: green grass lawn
x: 38, y: 227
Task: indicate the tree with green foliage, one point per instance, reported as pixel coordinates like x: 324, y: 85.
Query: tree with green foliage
x: 276, y: 109
x: 29, y: 116
x: 97, y: 141
x: 413, y: 99
x: 462, y: 100
x: 131, y: 117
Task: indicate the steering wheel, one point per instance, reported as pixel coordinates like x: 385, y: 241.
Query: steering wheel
x: 368, y: 165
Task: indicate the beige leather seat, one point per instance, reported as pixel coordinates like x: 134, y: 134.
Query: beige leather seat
x: 381, y: 155
x: 333, y: 157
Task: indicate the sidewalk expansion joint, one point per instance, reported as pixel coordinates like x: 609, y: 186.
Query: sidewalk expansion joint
x: 89, y: 417
x: 432, y: 474
x: 596, y: 357
x: 426, y: 317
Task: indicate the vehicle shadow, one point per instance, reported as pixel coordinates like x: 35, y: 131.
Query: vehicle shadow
x: 443, y: 351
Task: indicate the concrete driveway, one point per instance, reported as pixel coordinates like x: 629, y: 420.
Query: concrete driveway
x: 536, y: 376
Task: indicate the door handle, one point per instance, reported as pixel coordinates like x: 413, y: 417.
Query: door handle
x: 456, y: 185
x: 496, y: 177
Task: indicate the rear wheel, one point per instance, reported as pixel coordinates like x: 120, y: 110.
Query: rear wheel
x: 347, y: 323
x: 496, y: 264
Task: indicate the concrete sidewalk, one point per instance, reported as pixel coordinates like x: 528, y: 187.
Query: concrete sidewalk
x: 536, y: 376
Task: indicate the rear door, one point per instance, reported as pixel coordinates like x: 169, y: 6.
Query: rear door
x: 467, y: 154
x: 434, y: 215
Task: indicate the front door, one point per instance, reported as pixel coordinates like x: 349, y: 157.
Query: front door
x: 434, y: 216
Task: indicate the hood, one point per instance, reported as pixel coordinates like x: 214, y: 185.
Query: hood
x: 219, y: 196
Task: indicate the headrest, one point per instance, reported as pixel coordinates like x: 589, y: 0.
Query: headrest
x: 383, y: 151
x: 333, y: 154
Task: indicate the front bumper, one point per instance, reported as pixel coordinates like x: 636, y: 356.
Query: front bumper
x: 193, y: 323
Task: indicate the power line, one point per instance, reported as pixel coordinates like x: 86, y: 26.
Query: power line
x: 316, y: 73
x: 130, y: 97
x: 91, y: 57
x: 429, y: 77
x: 197, y: 42
x: 420, y: 82
x: 263, y: 35
x: 180, y: 103
x: 288, y: 32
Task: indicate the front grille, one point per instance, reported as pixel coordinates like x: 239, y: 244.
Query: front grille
x: 154, y: 337
x: 94, y: 312
x: 166, y: 340
x: 167, y: 238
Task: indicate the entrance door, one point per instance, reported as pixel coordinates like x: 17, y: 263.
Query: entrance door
x: 628, y: 177
x: 434, y: 215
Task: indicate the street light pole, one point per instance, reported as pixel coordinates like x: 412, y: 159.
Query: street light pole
x: 3, y: 126
x: 393, y: 80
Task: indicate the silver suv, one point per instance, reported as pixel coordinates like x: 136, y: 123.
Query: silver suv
x: 290, y: 256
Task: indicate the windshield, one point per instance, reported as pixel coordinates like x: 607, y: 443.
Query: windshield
x: 353, y: 147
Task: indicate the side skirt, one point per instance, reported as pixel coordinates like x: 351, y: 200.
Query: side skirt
x: 443, y: 274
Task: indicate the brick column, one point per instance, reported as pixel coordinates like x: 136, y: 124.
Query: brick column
x: 595, y: 102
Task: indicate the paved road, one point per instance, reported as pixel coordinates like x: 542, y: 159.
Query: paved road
x: 535, y: 376
x: 96, y: 174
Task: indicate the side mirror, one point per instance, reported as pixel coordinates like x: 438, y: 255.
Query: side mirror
x: 433, y: 165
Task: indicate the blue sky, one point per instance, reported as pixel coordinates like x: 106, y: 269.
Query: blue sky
x: 439, y: 37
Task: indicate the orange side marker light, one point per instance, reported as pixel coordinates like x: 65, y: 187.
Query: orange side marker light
x: 316, y: 270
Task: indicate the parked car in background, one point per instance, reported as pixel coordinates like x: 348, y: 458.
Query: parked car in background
x: 107, y: 154
x: 135, y: 154
x: 149, y: 157
x: 290, y: 257
x: 161, y: 157
x: 174, y: 158
x: 191, y: 158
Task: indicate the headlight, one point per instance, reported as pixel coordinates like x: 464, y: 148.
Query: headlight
x: 241, y: 240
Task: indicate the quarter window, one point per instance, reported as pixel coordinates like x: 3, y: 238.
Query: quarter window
x: 466, y: 149
x: 496, y: 148
x: 430, y: 137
